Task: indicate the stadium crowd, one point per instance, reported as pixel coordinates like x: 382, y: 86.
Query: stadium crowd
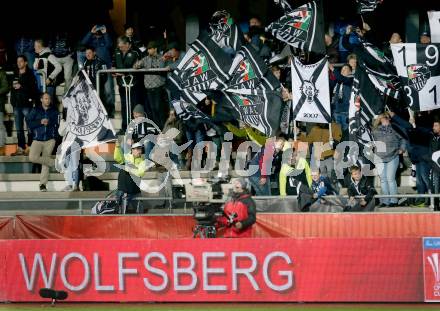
x: 290, y: 160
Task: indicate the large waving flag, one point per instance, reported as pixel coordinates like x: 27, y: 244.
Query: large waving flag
x: 87, y: 121
x: 302, y: 27
x: 249, y: 72
x: 419, y: 70
x: 224, y: 31
x: 204, y: 67
x: 311, y: 92
x: 365, y: 104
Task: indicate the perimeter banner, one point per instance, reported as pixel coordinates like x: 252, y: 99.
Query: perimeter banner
x: 431, y: 266
x: 215, y: 270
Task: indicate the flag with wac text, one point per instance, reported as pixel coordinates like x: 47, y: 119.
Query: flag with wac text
x: 258, y: 109
x: 418, y: 67
x: 302, y: 27
x: 224, y: 31
x: 204, y: 67
x: 249, y: 72
x: 311, y: 92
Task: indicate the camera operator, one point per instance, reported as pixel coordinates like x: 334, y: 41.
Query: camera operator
x: 239, y: 214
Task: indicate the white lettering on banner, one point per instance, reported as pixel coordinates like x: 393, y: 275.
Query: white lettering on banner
x: 186, y: 271
x: 287, y: 274
x: 63, y: 273
x: 30, y: 281
x: 156, y: 271
x: 123, y: 271
x: 245, y: 271
x: 189, y: 271
x: 207, y: 271
x: 97, y: 266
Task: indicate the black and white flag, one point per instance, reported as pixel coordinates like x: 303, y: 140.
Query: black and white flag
x: 365, y: 6
x: 187, y: 111
x: 87, y: 123
x: 386, y: 83
x: 311, y: 92
x: 434, y: 25
x: 204, y: 67
x: 224, y: 31
x: 365, y: 104
x: 258, y: 109
x: 419, y: 70
x: 249, y: 72
x: 302, y: 27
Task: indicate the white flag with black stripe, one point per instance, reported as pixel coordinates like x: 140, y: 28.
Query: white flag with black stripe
x: 311, y: 92
x: 419, y: 70
x: 434, y: 25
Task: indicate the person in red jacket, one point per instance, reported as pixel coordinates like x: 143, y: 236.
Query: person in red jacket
x: 239, y: 214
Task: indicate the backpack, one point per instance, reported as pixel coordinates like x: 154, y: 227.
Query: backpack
x: 107, y: 207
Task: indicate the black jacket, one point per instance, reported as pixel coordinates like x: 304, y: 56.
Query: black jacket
x: 27, y: 93
x: 92, y: 66
x: 125, y: 61
x: 364, y: 187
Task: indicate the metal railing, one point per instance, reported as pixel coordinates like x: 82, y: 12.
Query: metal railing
x: 128, y: 70
x: 172, y: 200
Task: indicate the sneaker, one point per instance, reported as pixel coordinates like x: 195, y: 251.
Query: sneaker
x: 383, y: 205
x: 43, y: 188
x: 68, y: 188
x: 393, y: 205
x: 121, y: 132
x: 19, y: 152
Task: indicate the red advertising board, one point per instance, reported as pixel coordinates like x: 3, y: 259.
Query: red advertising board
x: 215, y: 269
x: 431, y: 267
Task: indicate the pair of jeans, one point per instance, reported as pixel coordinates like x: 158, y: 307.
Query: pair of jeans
x: 2, y: 130
x: 71, y: 175
x: 422, y: 177
x: 342, y: 119
x: 40, y: 153
x: 67, y: 63
x: 388, y: 182
x: 20, y: 114
x: 436, y: 187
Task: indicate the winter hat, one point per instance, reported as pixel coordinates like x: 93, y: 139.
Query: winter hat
x: 139, y: 109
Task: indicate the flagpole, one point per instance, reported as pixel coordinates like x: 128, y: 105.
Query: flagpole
x: 294, y: 130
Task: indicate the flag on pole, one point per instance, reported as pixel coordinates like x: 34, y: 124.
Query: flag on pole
x: 365, y: 104
x: 86, y: 120
x: 302, y: 27
x: 311, y: 92
x: 419, y: 71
